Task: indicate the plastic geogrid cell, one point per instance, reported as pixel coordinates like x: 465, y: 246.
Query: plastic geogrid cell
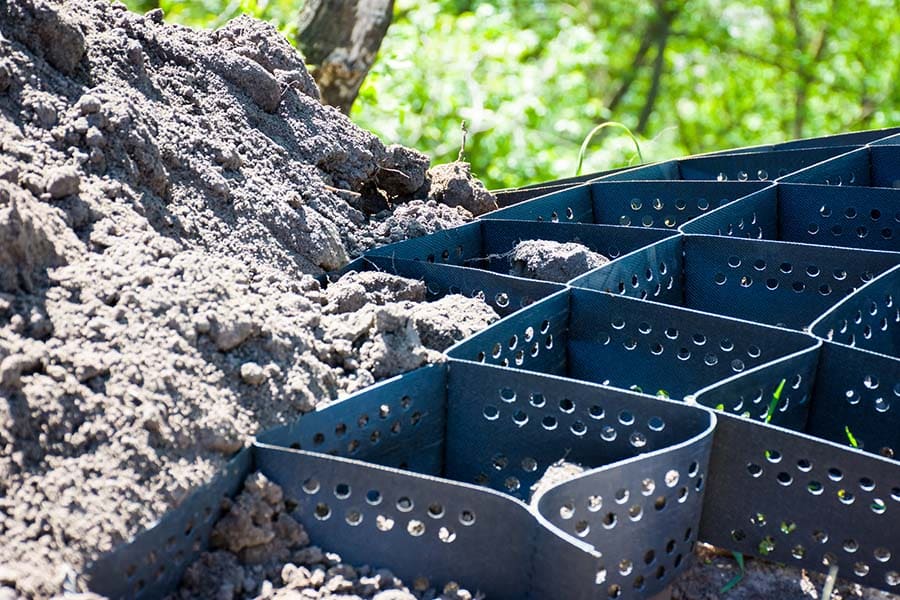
x: 488, y: 244
x: 794, y: 498
x: 778, y: 283
x: 629, y: 344
x: 868, y: 319
x: 753, y: 166
x: 664, y: 205
x: 847, y: 140
x: 439, y: 529
x: 871, y: 166
x: 847, y: 216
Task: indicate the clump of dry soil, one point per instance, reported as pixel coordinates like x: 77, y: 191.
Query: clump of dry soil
x: 166, y: 196
x: 547, y: 260
x: 260, y: 551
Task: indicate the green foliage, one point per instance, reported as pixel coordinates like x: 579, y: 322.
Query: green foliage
x: 215, y: 13
x: 533, y: 77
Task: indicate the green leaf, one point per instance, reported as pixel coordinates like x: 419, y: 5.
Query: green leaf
x: 739, y: 557
x: 775, y: 398
x: 850, y: 437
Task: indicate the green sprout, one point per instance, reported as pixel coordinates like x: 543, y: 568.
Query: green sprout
x: 850, y: 437
x: 662, y: 394
x: 766, y: 546
x: 775, y: 398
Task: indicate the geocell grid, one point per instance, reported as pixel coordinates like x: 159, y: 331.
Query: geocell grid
x: 732, y: 376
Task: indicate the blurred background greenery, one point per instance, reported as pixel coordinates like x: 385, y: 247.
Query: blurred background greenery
x: 532, y: 77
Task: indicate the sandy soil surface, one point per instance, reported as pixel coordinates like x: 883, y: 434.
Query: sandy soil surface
x: 166, y: 197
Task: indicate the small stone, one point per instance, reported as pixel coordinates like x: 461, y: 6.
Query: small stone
x: 252, y: 373
x: 229, y: 158
x: 88, y: 104
x: 62, y: 181
x: 135, y: 53
x: 6, y: 75
x: 94, y: 138
x: 155, y: 16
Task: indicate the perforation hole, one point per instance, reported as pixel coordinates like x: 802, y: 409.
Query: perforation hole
x: 342, y: 491
x: 322, y: 511
x: 608, y: 433
x: 311, y: 486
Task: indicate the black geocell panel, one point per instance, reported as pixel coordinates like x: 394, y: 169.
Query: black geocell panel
x: 780, y: 438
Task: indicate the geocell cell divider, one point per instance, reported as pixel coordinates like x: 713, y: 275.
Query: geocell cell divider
x: 811, y: 499
x: 504, y: 293
x: 870, y: 166
x: 868, y: 319
x: 663, y: 205
x: 846, y: 140
x: 846, y: 216
x: 151, y: 564
x: 753, y: 166
x: 467, y: 520
x: 630, y: 344
x: 778, y: 283
x: 487, y: 244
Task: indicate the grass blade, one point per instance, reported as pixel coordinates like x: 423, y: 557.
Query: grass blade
x: 587, y: 142
x: 739, y: 558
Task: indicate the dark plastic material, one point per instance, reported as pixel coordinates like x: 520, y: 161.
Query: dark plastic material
x: 587, y: 536
x: 848, y: 216
x: 663, y: 205
x: 828, y: 496
x: 778, y: 283
x: 753, y: 166
x: 487, y: 244
x: 872, y: 166
x: 629, y: 344
x: 151, y: 565
x: 855, y: 138
x: 867, y: 319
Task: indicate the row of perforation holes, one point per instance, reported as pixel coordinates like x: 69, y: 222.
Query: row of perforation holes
x: 816, y: 488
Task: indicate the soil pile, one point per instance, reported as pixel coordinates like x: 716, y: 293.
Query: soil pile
x: 260, y: 551
x: 165, y: 197
x: 547, y: 260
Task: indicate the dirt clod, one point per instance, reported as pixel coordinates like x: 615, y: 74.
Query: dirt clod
x: 62, y: 181
x: 553, y: 261
x: 452, y: 184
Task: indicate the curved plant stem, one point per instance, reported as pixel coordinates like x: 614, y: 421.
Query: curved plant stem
x: 595, y: 131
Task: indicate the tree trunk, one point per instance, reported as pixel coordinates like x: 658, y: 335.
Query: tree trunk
x: 340, y: 39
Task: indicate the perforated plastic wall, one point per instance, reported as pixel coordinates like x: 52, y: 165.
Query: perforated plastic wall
x: 731, y: 376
